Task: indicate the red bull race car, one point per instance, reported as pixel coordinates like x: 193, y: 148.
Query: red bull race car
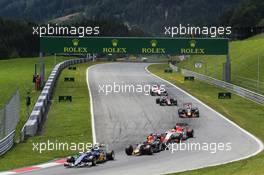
x: 188, y: 111
x: 153, y: 144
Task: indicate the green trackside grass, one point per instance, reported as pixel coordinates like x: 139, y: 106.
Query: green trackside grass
x: 18, y: 74
x: 244, y: 57
x: 245, y: 113
x: 66, y: 122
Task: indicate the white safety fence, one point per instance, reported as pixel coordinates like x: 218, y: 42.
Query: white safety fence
x: 40, y: 109
x: 258, y: 98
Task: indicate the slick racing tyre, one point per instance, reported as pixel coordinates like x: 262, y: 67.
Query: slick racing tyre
x: 129, y: 150
x: 110, y: 156
x: 190, y: 134
x: 70, y: 159
x: 94, y: 161
x: 173, y: 102
x: 150, y: 151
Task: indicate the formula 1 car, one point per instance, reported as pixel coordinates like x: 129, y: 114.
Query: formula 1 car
x: 152, y: 145
x: 166, y: 101
x: 188, y: 111
x: 158, y: 90
x: 140, y: 149
x: 181, y: 132
x: 89, y: 158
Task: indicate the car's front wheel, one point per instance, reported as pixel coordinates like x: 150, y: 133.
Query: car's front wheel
x: 129, y: 150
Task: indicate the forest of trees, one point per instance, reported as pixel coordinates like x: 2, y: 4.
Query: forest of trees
x: 16, y: 39
x: 149, y: 15
x: 248, y: 14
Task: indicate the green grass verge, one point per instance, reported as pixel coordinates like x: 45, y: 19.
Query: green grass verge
x: 67, y: 122
x: 244, y: 57
x: 17, y: 74
x: 245, y: 113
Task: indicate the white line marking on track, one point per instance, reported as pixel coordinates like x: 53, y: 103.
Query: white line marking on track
x: 47, y: 165
x: 261, y: 146
x: 7, y: 173
x: 91, y: 105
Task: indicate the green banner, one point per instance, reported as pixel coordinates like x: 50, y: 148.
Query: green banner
x: 124, y: 45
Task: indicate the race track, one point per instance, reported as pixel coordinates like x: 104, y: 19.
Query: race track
x: 121, y: 119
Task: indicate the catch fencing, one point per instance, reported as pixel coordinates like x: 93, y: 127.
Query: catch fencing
x: 258, y: 98
x: 9, y: 117
x: 41, y: 107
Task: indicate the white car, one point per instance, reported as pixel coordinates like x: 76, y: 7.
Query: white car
x: 158, y: 90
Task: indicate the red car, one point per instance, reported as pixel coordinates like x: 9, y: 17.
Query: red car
x: 181, y: 131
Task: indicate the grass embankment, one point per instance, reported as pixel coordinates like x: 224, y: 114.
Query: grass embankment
x: 245, y: 113
x: 18, y: 74
x: 244, y: 57
x: 67, y: 122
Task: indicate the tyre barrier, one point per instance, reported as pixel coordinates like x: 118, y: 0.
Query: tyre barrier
x: 40, y: 109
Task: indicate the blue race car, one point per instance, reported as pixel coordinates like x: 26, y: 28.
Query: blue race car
x: 89, y: 158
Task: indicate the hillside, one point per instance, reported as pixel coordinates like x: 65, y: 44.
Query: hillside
x: 244, y: 57
x: 249, y: 14
x: 149, y: 15
x: 16, y: 39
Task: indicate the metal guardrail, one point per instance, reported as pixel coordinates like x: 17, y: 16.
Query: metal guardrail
x: 7, y: 142
x: 37, y: 115
x: 9, y: 116
x: 258, y: 98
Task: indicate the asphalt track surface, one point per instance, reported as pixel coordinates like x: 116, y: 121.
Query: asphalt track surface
x: 127, y: 118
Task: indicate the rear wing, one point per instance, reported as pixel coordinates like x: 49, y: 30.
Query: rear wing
x: 187, y: 105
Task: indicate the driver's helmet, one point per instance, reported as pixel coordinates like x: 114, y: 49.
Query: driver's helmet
x: 150, y: 138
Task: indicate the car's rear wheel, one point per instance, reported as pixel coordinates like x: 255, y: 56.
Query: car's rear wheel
x: 162, y: 103
x: 175, y: 102
x: 159, y: 147
x: 70, y: 159
x: 110, y: 156
x: 190, y: 134
x: 150, y: 151
x: 94, y: 162
x: 152, y: 93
